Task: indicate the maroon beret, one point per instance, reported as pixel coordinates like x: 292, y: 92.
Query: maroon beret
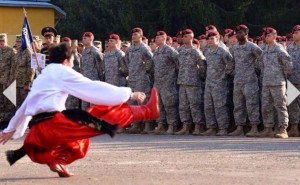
x: 242, y: 27
x: 269, y: 30
x: 296, y: 28
x: 231, y: 34
x: 227, y: 30
x: 258, y: 38
x: 66, y: 39
x: 88, y: 34
x: 187, y: 31
x: 201, y: 37
x: 210, y: 27
x: 212, y: 34
x: 137, y: 30
x: 196, y: 41
x: 281, y: 39
x: 160, y: 33
x: 250, y: 39
x: 174, y: 39
x: 114, y: 36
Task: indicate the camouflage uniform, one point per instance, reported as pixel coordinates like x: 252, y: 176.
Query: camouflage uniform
x: 276, y: 65
x: 294, y: 108
x: 139, y: 63
x: 92, y: 67
x: 138, y: 60
x: 24, y: 74
x: 219, y: 65
x: 165, y: 75
x: 7, y: 61
x: 73, y: 102
x: 191, y: 73
x: 246, y: 90
x: 115, y: 68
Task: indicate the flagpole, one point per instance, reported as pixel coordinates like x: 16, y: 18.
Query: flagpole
x: 33, y: 47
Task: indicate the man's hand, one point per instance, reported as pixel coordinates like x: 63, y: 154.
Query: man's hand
x: 138, y: 96
x: 4, y: 137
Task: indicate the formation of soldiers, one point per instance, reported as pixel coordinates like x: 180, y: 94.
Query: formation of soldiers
x: 207, y: 85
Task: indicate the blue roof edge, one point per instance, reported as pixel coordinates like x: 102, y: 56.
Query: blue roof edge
x: 60, y: 12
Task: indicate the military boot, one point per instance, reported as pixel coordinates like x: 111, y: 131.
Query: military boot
x: 148, y: 127
x: 209, y: 132
x: 171, y: 130
x: 267, y: 132
x: 135, y: 129
x: 253, y: 132
x: 160, y: 129
x: 199, y: 128
x: 293, y: 132
x: 185, y: 129
x: 222, y: 132
x: 239, y: 131
x: 282, y: 133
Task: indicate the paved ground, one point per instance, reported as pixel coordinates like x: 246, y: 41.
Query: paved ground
x: 182, y: 160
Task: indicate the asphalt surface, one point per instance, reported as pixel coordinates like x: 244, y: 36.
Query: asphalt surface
x: 175, y: 160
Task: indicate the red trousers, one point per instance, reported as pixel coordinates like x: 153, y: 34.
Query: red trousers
x: 62, y: 140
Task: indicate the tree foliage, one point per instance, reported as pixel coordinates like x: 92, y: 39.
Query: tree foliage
x: 103, y: 17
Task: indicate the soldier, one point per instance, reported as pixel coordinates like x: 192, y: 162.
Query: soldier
x: 175, y: 44
x: 232, y: 39
x: 226, y: 32
x: 196, y: 43
x: 152, y: 45
x: 139, y: 62
x: 7, y: 61
x: 125, y: 45
x: 276, y: 65
x: 49, y: 33
x: 210, y: 28
x: 169, y: 41
x: 115, y: 69
x: 294, y: 108
x: 98, y: 45
x: 24, y: 74
x: 145, y: 40
x: 92, y: 65
x: 165, y: 75
x: 80, y: 48
x: 246, y: 90
x: 56, y: 40
x: 191, y: 73
x: 219, y: 65
x: 67, y: 40
x: 203, y: 42
x: 73, y: 102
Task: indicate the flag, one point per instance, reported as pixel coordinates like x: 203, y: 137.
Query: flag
x: 26, y: 36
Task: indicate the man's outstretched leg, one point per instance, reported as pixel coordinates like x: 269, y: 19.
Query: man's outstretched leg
x: 125, y: 114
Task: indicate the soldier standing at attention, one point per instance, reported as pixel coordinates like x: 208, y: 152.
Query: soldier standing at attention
x: 165, y: 75
x: 49, y: 33
x: 138, y: 59
x: 7, y: 61
x: 245, y: 90
x: 73, y: 102
x: 115, y: 69
x: 191, y: 73
x: 276, y: 66
x: 294, y: 108
x: 219, y: 65
x: 24, y: 74
x: 92, y: 65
